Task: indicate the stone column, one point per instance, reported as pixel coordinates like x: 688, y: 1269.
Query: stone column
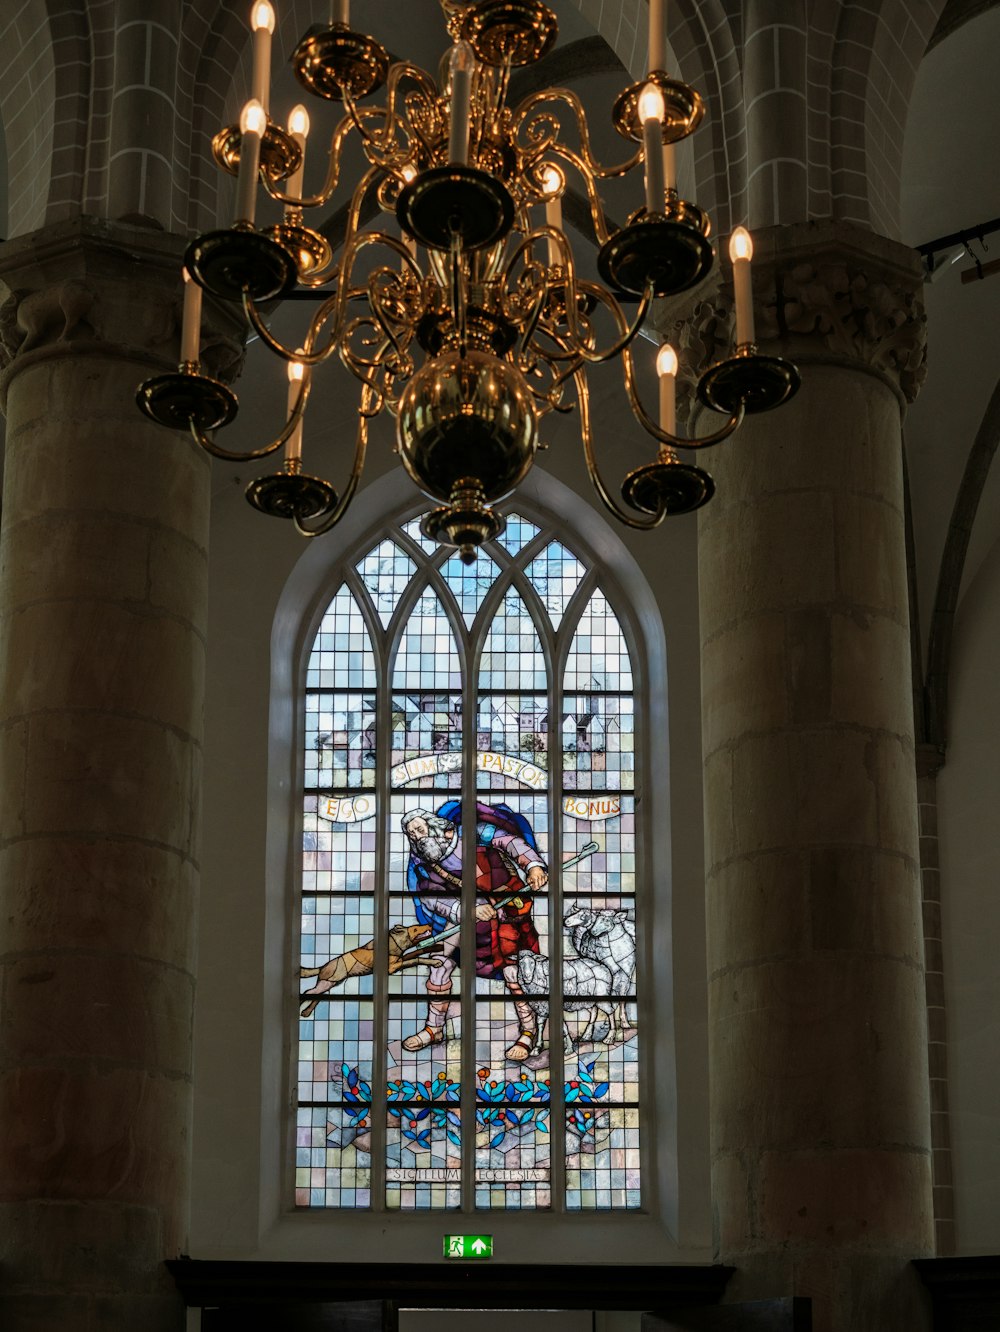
x: 821, y: 1167
x: 102, y: 646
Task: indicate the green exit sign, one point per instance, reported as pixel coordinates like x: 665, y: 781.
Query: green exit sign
x: 468, y: 1246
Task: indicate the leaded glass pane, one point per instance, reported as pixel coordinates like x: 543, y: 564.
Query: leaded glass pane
x: 412, y: 529
x: 426, y: 740
x: 517, y: 533
x: 512, y: 658
x: 341, y: 656
x: 385, y: 572
x: 340, y: 741
x: 512, y: 733
x: 598, y: 657
x: 513, y: 1142
x: 602, y: 1157
x: 598, y: 742
x: 555, y: 575
x: 338, y: 844
x: 601, y: 830
x: 428, y: 655
x: 470, y: 583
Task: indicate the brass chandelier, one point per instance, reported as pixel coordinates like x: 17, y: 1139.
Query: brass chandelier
x: 476, y: 320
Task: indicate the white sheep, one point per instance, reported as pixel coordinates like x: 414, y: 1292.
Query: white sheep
x: 607, y: 935
x: 587, y: 981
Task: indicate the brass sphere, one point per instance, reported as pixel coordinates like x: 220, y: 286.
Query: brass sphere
x: 466, y: 418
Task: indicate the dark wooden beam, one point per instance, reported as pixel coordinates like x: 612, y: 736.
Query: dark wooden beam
x: 226, y: 1284
x: 788, y: 1315
x: 965, y: 1292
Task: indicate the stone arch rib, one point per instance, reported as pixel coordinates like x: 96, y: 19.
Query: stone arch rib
x: 949, y: 586
x: 876, y: 53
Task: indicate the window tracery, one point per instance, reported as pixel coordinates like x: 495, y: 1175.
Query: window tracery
x: 467, y: 1025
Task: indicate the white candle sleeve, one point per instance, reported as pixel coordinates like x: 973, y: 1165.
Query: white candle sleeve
x: 669, y: 167
x: 293, y: 185
x: 261, y: 88
x: 743, y: 291
x: 462, y: 66
x: 246, y: 181
x: 553, y: 218
x: 293, y: 444
x: 191, y: 322
x: 657, y: 36
x: 652, y: 141
x: 668, y: 404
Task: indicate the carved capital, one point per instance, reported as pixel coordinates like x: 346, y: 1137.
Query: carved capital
x: 88, y: 286
x: 823, y: 293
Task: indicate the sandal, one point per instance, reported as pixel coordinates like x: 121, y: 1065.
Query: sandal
x: 522, y: 1047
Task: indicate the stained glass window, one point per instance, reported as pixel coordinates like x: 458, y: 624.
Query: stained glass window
x: 467, y: 1030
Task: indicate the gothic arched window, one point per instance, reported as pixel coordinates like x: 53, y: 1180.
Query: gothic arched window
x: 467, y: 1023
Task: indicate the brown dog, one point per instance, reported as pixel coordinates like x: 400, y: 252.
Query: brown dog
x: 361, y: 961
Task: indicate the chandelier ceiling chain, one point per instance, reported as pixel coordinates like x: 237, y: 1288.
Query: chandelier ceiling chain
x: 476, y: 319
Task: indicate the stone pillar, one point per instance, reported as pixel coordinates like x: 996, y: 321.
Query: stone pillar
x: 102, y: 645
x: 929, y: 761
x: 821, y: 1166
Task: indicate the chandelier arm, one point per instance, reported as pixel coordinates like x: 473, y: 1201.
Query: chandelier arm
x: 597, y: 216
x: 375, y: 301
x: 628, y: 332
x: 304, y: 354
x: 360, y: 366
x: 332, y: 174
x: 357, y: 467
x: 637, y: 524
x: 380, y: 147
x: 657, y: 431
x: 546, y: 96
x: 227, y: 455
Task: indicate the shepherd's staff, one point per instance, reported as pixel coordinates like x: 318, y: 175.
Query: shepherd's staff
x: 582, y: 854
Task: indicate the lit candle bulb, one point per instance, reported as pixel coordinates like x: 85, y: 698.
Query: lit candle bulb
x: 657, y: 36
x: 741, y: 252
x: 262, y: 23
x: 191, y: 320
x: 461, y: 64
x: 253, y: 122
x: 298, y: 128
x: 293, y: 444
x: 651, y: 111
x: 340, y: 12
x: 552, y: 182
x: 666, y: 368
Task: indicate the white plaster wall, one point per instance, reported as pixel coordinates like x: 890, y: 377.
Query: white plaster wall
x: 240, y: 1208
x: 969, y: 830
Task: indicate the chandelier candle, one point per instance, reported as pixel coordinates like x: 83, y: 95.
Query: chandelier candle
x: 552, y: 183
x: 741, y: 252
x: 666, y: 368
x: 651, y: 110
x: 262, y: 22
x: 253, y: 122
x: 293, y: 444
x: 191, y: 321
x: 669, y: 167
x: 461, y: 63
x: 657, y: 36
x: 298, y: 128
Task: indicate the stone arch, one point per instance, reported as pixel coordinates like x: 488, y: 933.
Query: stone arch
x: 28, y: 105
x: 874, y: 58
